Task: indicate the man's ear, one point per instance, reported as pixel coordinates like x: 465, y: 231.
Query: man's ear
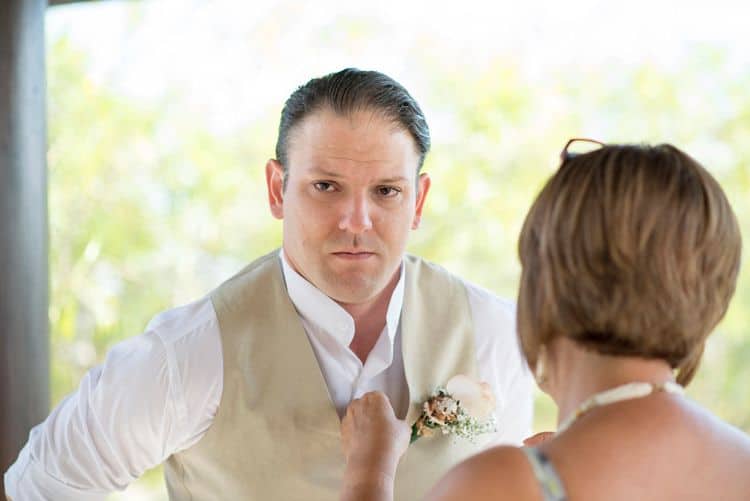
x: 275, y: 184
x: 423, y: 185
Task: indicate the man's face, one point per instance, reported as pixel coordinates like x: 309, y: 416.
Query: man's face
x: 351, y: 199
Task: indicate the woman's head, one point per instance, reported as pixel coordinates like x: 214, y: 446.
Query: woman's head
x: 630, y: 251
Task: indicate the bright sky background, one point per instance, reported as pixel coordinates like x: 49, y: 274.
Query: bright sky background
x: 233, y: 60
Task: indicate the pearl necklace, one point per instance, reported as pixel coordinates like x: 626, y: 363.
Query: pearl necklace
x: 619, y: 393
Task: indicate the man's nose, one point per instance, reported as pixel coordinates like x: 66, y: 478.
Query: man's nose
x: 355, y: 217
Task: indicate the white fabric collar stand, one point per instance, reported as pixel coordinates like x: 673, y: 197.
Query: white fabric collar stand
x: 323, y: 312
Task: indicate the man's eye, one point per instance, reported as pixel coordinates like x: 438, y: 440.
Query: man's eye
x: 388, y: 191
x: 323, y: 186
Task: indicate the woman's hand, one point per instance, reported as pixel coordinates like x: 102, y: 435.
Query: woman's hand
x: 538, y: 439
x: 371, y: 434
x: 373, y: 441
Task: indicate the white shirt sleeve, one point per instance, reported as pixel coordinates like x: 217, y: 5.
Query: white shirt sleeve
x: 501, y: 363
x: 154, y: 395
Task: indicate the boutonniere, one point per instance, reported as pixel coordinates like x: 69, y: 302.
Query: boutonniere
x: 463, y: 408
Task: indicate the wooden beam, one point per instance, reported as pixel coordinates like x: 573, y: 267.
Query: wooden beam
x: 24, y: 341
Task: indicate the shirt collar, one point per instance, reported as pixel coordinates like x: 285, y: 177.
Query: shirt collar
x: 326, y: 314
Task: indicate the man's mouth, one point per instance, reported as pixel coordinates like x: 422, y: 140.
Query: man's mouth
x: 354, y: 255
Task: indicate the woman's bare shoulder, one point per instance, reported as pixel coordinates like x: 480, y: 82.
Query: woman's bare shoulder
x: 500, y: 473
x: 658, y: 442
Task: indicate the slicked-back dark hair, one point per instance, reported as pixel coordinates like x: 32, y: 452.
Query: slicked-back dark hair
x: 348, y: 91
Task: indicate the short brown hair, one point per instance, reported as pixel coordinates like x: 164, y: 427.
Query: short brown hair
x: 629, y: 250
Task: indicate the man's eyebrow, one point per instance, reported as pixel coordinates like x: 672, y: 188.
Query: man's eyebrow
x: 394, y: 180
x: 318, y: 171
x: 322, y: 172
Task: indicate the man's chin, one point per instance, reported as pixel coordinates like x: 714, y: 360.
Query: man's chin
x: 353, y: 290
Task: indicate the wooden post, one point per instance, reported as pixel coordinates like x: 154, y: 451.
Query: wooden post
x: 24, y: 326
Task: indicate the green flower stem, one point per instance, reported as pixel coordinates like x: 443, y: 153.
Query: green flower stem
x: 414, y: 434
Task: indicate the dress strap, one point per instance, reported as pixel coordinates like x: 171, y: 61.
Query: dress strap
x: 547, y: 477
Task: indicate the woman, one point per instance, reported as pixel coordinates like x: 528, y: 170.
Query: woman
x: 629, y: 258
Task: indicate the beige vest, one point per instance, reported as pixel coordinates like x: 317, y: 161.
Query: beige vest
x: 275, y: 435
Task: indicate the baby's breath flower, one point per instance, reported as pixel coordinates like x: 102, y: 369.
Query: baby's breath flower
x: 444, y: 413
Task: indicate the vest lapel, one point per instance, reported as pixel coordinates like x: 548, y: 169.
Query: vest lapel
x: 437, y: 339
x: 437, y: 343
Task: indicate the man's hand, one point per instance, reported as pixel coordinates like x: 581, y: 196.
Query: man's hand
x: 539, y: 438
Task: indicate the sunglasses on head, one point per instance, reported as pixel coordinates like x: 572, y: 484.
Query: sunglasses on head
x: 579, y: 146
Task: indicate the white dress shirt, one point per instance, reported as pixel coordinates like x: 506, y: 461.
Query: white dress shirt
x: 157, y: 393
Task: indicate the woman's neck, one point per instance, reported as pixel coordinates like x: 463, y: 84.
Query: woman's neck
x: 578, y: 374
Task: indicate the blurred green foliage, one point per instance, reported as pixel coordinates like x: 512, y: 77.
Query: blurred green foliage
x: 148, y: 209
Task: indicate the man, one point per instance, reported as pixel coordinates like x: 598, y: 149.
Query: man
x: 241, y: 393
